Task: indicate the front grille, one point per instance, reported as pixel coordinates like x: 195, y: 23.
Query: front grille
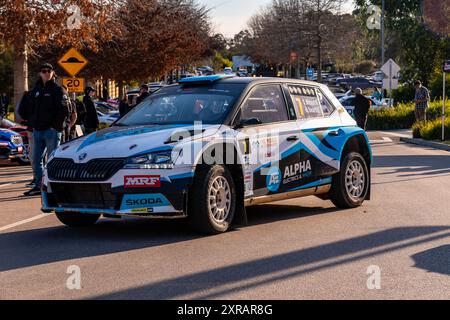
x: 85, y: 196
x: 17, y: 140
x: 94, y: 170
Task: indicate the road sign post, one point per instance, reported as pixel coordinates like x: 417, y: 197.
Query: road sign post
x: 445, y: 71
x: 74, y: 85
x: 73, y: 62
x: 391, y: 70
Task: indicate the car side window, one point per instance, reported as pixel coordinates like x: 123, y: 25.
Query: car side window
x: 306, y: 102
x: 266, y: 103
x: 327, y: 107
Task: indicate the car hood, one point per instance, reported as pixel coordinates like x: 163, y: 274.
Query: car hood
x: 123, y: 142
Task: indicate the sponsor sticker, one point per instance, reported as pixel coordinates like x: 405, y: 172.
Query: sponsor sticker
x: 140, y: 201
x: 142, y: 181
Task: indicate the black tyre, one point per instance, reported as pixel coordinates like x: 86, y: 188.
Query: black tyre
x: 78, y: 220
x: 351, y: 185
x: 212, y: 200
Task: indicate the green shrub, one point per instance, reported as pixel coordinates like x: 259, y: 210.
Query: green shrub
x: 431, y: 130
x: 402, y: 116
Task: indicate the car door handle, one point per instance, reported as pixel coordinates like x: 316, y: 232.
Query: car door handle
x: 335, y: 133
x: 293, y: 138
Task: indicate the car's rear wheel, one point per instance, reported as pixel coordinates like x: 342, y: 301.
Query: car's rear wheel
x: 78, y: 220
x: 351, y: 185
x: 212, y: 200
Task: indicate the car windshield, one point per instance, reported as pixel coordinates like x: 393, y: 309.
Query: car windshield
x: 185, y: 105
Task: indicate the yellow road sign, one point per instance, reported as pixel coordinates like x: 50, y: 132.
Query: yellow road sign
x: 73, y: 62
x: 74, y: 85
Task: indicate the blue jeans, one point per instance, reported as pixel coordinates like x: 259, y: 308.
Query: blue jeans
x: 44, y: 143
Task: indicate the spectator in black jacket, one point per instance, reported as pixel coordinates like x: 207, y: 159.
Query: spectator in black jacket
x: 362, y: 107
x: 46, y: 111
x: 144, y: 94
x: 91, y: 123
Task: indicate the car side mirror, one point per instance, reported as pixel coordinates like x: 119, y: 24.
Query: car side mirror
x: 247, y: 122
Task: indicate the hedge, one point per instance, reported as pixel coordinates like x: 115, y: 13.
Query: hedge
x: 431, y: 130
x: 402, y: 116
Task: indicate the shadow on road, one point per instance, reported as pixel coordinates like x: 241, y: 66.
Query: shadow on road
x: 41, y: 246
x: 435, y: 260
x: 267, y: 270
x: 413, y: 167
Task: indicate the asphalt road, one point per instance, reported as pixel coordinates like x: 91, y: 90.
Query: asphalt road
x: 300, y: 249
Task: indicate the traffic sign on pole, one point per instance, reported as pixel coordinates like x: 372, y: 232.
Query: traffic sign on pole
x: 74, y: 85
x: 73, y: 62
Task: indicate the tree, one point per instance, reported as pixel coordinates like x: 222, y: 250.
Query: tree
x: 28, y: 24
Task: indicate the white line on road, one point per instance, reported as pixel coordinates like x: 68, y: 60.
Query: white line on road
x: 20, y: 223
x: 384, y: 140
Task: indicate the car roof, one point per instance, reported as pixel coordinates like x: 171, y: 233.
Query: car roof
x: 249, y: 80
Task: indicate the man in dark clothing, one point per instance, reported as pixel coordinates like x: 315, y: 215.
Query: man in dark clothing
x: 68, y: 133
x: 362, y: 107
x: 91, y: 123
x: 46, y: 112
x: 124, y: 106
x: 4, y: 103
x: 144, y: 94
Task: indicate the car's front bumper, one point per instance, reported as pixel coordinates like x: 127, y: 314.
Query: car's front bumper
x: 112, y: 198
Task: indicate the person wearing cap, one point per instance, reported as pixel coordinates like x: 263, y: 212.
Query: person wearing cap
x: 144, y: 94
x: 362, y: 107
x: 46, y: 111
x: 91, y: 122
x: 422, y: 100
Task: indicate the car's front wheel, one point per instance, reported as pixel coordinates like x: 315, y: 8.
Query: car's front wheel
x: 78, y: 220
x: 351, y: 185
x: 212, y: 200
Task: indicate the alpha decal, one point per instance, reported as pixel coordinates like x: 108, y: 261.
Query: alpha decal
x: 297, y: 171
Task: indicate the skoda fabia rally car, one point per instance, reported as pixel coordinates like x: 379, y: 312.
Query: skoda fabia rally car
x: 207, y: 148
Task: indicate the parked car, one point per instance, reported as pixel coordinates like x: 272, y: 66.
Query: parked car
x: 358, y: 82
x: 107, y: 119
x: 260, y: 140
x: 347, y: 102
x: 12, y: 147
x: 22, y: 131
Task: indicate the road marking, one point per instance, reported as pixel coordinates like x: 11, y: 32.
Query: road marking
x: 5, y: 185
x: 384, y: 140
x: 20, y: 223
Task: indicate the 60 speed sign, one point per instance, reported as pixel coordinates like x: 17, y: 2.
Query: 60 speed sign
x: 74, y: 85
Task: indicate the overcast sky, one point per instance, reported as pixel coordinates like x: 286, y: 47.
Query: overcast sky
x: 231, y: 16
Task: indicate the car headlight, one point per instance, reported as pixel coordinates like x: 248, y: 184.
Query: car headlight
x: 156, y: 160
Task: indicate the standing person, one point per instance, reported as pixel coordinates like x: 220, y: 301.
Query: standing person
x: 422, y: 101
x: 124, y: 106
x: 47, y: 110
x: 377, y: 94
x: 5, y: 101
x: 362, y: 107
x: 3, y: 110
x: 91, y: 122
x: 144, y: 94
x: 22, y: 114
x: 70, y: 120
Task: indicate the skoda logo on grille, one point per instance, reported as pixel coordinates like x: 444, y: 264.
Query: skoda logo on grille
x: 82, y: 156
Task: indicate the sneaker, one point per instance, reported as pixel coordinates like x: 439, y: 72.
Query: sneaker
x: 31, y: 185
x: 33, y: 192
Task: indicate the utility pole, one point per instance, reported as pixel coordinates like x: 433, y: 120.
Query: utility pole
x: 383, y: 8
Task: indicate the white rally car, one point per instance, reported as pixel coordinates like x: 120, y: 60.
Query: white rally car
x: 207, y: 148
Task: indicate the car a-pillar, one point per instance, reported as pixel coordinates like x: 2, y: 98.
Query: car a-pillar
x: 226, y: 156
